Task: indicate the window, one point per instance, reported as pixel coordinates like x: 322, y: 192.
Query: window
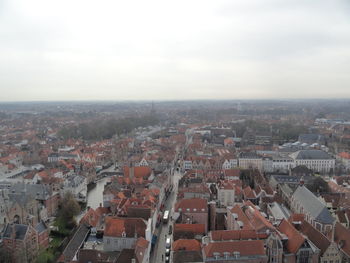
x: 304, y: 257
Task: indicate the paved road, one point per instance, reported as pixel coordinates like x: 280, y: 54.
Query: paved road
x: 159, y: 250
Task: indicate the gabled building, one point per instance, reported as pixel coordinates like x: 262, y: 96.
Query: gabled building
x: 329, y: 251
x: 21, y: 241
x: 122, y: 233
x: 296, y: 247
x: 316, y: 212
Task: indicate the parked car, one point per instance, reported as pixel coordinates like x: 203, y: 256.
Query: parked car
x: 170, y: 230
x: 167, y: 252
x: 168, y: 243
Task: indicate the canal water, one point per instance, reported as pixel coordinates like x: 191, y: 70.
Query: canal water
x: 95, y: 196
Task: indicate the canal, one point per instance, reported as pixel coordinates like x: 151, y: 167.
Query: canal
x: 95, y: 196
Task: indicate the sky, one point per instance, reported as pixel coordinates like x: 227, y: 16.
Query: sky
x: 174, y: 50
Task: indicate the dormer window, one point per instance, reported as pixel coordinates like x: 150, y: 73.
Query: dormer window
x: 226, y: 255
x: 216, y: 255
x: 236, y: 254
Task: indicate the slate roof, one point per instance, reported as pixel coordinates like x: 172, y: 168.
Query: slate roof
x: 19, y: 229
x: 36, y: 191
x: 311, y: 138
x: 249, y: 155
x: 75, y: 243
x: 313, y: 205
x: 311, y: 155
x: 41, y: 227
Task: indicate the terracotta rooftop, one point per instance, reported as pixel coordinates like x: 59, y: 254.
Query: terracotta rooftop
x: 245, y: 248
x: 116, y: 227
x: 295, y: 239
x: 186, y: 244
x: 193, y: 205
x: 194, y: 228
x: 342, y: 238
x: 226, y: 235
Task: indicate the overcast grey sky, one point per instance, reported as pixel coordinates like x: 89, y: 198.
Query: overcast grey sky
x: 184, y: 49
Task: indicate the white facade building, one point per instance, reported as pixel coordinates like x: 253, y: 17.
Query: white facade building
x: 316, y: 160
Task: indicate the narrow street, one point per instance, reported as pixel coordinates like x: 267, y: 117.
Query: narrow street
x: 159, y: 249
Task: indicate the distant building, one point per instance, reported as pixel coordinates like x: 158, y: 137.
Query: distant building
x: 316, y: 160
x: 250, y: 160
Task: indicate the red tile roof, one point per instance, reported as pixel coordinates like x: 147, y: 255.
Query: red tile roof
x: 193, y: 228
x: 222, y: 235
x: 249, y: 193
x: 232, y: 172
x: 245, y: 248
x: 130, y: 226
x: 90, y: 218
x: 342, y: 237
x: 192, y: 205
x: 241, y: 216
x: 344, y: 155
x: 139, y: 171
x: 186, y: 244
x: 316, y: 237
x: 259, y: 222
x: 295, y: 239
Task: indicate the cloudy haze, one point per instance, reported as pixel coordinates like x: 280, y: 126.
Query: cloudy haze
x: 117, y: 50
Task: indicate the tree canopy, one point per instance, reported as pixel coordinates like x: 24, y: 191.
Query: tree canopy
x: 105, y: 129
x: 318, y: 185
